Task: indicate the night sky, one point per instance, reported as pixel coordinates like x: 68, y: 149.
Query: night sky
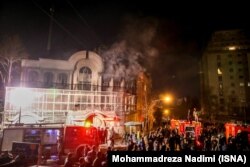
x: 167, y: 38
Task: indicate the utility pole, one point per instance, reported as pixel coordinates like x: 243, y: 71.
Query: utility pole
x: 50, y: 28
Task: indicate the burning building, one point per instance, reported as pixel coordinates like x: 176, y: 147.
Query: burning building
x: 75, y: 91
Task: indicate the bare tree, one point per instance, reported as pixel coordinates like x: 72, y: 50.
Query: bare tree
x: 158, y: 114
x: 11, y: 53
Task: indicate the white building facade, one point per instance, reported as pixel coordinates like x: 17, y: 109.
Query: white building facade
x: 74, y: 91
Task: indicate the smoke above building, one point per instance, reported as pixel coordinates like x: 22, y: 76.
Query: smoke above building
x: 134, y: 51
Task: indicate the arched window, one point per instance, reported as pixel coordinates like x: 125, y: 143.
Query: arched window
x: 48, y: 79
x: 84, y: 79
x: 86, y: 73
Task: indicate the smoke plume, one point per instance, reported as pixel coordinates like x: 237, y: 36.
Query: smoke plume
x: 134, y: 51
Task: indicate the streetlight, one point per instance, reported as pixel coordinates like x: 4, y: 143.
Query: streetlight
x: 166, y: 111
x: 156, y: 102
x: 168, y: 99
x: 166, y: 114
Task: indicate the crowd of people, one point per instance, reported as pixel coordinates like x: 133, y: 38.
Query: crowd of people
x: 162, y: 139
x: 86, y: 156
x: 166, y: 139
x: 212, y: 138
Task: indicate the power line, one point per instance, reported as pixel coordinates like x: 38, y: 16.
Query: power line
x: 60, y: 25
x: 84, y: 21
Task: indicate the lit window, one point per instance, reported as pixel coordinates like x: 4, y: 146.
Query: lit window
x: 248, y: 84
x: 219, y: 71
x: 231, y: 48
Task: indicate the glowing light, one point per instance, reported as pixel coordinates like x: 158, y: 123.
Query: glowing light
x: 232, y: 48
x: 219, y: 71
x: 87, y: 124
x: 33, y: 132
x: 49, y: 131
x: 166, y: 111
x: 168, y: 99
x: 21, y: 97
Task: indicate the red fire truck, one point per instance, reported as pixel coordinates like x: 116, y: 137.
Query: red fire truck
x: 35, y: 142
x: 187, y: 128
x: 76, y: 135
x: 233, y: 129
x: 51, y: 139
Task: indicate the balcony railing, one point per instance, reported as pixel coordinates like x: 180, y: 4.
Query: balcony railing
x: 81, y: 86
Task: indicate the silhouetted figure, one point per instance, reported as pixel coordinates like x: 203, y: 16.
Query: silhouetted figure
x: 5, y: 157
x: 18, y: 161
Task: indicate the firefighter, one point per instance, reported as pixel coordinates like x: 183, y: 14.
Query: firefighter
x: 231, y: 143
x: 239, y: 141
x: 195, y: 114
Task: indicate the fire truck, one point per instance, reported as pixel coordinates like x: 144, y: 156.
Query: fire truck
x: 35, y: 142
x: 73, y: 136
x: 187, y: 128
x: 233, y: 128
x: 46, y: 140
